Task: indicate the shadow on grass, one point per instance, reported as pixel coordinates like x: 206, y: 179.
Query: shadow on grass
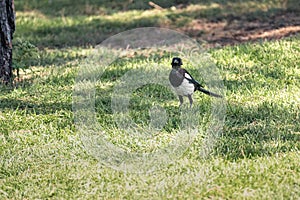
x: 31, y: 107
x: 101, y: 7
x: 84, y: 34
x: 210, y: 25
x: 60, y: 58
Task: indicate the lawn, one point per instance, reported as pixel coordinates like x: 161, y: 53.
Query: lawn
x: 255, y: 156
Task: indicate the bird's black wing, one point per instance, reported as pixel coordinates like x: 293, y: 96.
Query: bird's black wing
x: 199, y: 87
x: 191, y: 79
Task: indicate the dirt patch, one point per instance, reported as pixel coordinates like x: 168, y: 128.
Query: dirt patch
x: 233, y: 30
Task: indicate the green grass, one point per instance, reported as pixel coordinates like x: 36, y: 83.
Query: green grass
x: 42, y: 155
x: 55, y: 24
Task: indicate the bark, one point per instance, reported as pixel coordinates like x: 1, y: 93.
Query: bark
x: 7, y: 28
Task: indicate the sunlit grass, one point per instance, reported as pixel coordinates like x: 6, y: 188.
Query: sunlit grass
x: 257, y: 156
x: 41, y: 152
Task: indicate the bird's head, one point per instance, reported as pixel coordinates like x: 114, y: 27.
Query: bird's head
x: 176, y: 62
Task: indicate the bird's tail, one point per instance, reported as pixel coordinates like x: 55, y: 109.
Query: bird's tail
x: 201, y: 89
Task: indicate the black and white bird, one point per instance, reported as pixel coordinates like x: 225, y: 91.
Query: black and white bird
x: 184, y: 84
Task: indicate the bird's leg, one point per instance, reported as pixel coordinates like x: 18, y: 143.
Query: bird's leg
x: 180, y: 100
x: 191, y: 100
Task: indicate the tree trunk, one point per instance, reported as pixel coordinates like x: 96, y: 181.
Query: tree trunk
x: 7, y: 28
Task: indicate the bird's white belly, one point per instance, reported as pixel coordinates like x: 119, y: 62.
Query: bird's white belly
x: 186, y: 88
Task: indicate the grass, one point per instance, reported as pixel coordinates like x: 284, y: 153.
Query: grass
x: 61, y: 24
x: 42, y: 155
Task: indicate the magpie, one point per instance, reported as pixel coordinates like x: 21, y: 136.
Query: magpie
x: 183, y: 82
